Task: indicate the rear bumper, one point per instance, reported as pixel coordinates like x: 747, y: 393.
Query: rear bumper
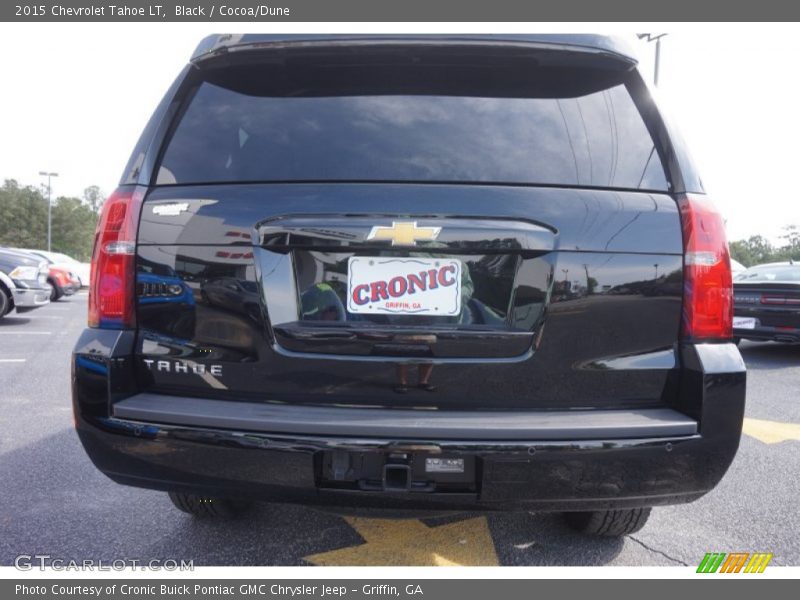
x: 557, y: 475
x: 612, y: 459
x: 322, y: 422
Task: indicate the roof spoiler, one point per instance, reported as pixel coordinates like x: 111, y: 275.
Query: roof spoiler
x: 610, y: 52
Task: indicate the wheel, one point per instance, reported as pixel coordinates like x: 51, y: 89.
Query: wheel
x: 55, y: 291
x: 608, y: 523
x: 5, y: 302
x: 207, y: 507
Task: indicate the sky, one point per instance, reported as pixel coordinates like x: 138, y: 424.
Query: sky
x: 76, y: 97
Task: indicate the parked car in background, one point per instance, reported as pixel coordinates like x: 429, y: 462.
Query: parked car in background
x: 767, y: 303
x: 402, y: 246
x: 23, y: 282
x: 82, y: 270
x: 62, y: 281
x: 737, y: 267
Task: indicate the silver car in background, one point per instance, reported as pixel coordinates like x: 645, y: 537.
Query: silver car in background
x: 23, y: 282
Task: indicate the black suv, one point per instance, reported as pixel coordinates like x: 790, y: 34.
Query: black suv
x: 411, y: 272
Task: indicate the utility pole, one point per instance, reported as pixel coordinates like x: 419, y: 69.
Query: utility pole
x: 588, y: 287
x: 654, y: 37
x: 49, y: 205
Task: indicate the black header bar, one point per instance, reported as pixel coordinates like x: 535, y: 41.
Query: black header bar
x: 463, y: 11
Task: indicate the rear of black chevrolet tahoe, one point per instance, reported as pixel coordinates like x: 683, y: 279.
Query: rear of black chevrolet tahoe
x: 429, y: 273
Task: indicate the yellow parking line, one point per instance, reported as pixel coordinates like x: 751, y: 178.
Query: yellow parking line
x: 771, y: 432
x: 411, y: 542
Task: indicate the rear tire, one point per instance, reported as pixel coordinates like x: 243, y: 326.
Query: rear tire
x: 207, y: 507
x: 55, y: 291
x: 608, y: 523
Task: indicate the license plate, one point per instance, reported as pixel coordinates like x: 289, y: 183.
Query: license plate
x: 744, y: 323
x: 408, y: 286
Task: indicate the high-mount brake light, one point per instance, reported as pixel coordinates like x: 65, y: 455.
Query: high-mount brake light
x: 111, y: 293
x: 707, y: 281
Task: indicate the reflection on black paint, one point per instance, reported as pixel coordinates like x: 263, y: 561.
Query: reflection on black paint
x: 602, y: 306
x: 584, y: 307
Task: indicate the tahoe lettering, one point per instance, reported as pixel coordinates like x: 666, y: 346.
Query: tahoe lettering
x: 180, y: 366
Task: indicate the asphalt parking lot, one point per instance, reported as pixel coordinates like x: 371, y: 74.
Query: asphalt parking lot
x: 55, y: 502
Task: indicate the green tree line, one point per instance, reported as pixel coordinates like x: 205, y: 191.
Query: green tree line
x: 23, y: 219
x: 757, y: 249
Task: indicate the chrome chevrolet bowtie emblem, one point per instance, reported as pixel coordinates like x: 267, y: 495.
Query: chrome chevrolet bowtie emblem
x: 404, y: 233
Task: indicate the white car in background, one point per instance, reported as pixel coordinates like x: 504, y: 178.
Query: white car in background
x: 81, y: 269
x: 737, y: 267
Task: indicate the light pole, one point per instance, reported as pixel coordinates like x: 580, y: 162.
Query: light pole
x: 49, y: 204
x: 654, y: 37
x: 588, y: 287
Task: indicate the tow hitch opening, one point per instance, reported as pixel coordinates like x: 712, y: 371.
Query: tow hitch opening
x: 396, y: 472
x: 396, y: 477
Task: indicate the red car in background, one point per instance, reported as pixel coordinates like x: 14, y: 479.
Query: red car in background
x: 62, y: 281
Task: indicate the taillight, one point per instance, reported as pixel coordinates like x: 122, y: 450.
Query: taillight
x: 707, y: 284
x: 111, y: 292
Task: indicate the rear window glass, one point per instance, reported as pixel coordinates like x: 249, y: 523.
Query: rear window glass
x: 597, y: 139
x: 776, y: 273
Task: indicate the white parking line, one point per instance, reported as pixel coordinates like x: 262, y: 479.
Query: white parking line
x: 12, y: 360
x: 26, y: 333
